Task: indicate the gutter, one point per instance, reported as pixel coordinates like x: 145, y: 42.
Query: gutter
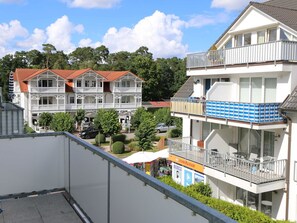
x: 287, y: 190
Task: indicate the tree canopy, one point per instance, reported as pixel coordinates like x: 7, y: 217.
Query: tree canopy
x: 162, y: 77
x: 107, y: 121
x: 62, y: 121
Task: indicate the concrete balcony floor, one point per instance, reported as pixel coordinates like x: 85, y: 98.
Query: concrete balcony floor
x: 49, y: 208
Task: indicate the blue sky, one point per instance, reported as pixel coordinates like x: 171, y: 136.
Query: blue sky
x: 167, y: 27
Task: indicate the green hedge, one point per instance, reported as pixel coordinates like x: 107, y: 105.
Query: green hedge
x: 100, y: 138
x: 236, y: 212
x: 118, y: 147
x: 118, y: 138
x: 174, y: 133
x: 133, y: 146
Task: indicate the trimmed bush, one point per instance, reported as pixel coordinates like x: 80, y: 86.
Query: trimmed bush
x: 118, y: 147
x: 133, y: 146
x: 236, y: 212
x: 28, y: 129
x: 174, y: 133
x: 157, y: 138
x: 118, y: 138
x: 100, y: 138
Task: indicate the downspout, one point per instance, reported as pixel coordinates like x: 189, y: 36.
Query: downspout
x: 288, y: 164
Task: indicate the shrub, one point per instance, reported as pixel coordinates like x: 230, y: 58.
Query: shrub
x: 134, y: 146
x: 157, y: 138
x: 200, y: 188
x: 118, y: 147
x: 174, y: 133
x: 236, y: 212
x: 100, y: 138
x: 28, y: 129
x: 118, y: 138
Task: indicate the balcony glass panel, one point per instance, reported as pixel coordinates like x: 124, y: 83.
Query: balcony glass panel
x: 246, y: 112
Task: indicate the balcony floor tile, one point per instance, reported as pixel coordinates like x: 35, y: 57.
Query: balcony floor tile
x: 44, y: 208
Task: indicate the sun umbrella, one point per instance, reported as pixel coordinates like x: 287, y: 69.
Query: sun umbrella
x: 140, y: 157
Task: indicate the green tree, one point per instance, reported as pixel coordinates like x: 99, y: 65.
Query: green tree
x: 146, y: 133
x: 79, y: 117
x: 162, y: 115
x: 136, y: 118
x: 107, y: 120
x: 49, y: 50
x: 45, y: 119
x: 62, y: 122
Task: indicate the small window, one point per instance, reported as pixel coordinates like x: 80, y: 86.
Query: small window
x: 78, y: 83
x: 79, y: 101
x: 93, y: 83
x: 87, y: 83
x: 99, y: 101
x: 100, y: 83
x: 117, y: 100
x: 50, y: 83
x: 117, y: 84
x: 71, y: 100
x: 247, y: 39
x: 138, y: 84
x: 271, y: 35
x: 261, y: 37
x: 238, y: 40
x: 228, y: 45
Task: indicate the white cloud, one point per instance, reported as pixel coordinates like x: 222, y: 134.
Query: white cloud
x: 204, y: 20
x: 231, y: 5
x: 88, y: 42
x: 35, y: 41
x: 161, y: 33
x: 92, y: 3
x: 59, y: 34
x: 11, y: 31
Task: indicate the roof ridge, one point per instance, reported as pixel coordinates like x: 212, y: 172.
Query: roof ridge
x: 274, y: 6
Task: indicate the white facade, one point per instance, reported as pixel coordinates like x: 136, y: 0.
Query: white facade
x: 67, y: 91
x: 246, y: 148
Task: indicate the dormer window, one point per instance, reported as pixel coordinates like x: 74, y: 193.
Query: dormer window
x: 78, y: 83
x: 228, y: 45
x: 45, y: 83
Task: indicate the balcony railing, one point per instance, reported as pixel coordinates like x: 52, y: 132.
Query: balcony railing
x: 237, y: 111
x: 246, y: 112
x: 273, y: 51
x: 103, y: 187
x: 47, y: 89
x: 49, y: 107
x: 187, y: 105
x: 127, y: 89
x: 257, y: 171
x: 87, y: 89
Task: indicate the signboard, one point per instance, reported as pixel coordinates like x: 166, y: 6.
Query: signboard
x: 186, y: 163
x: 198, y: 177
x: 188, y: 177
x: 177, y: 173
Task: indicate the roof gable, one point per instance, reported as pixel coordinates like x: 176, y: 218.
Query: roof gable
x: 251, y: 19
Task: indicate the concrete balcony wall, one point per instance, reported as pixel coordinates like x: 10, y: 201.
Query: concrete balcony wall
x: 222, y: 91
x: 104, y: 187
x: 188, y: 106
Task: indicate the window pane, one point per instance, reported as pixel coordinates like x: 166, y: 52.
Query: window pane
x: 238, y: 40
x: 256, y: 90
x: 247, y: 39
x: 261, y: 37
x: 268, y: 144
x: 244, y: 90
x: 270, y: 90
x: 71, y: 100
x: 78, y: 84
x: 271, y: 35
x: 228, y: 45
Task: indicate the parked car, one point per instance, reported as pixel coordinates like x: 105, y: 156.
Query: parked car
x: 89, y: 133
x: 162, y: 127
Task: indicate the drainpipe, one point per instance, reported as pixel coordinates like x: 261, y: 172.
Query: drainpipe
x: 288, y: 164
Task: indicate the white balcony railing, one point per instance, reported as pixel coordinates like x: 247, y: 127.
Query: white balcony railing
x: 266, y: 52
x: 49, y: 107
x: 102, y: 186
x: 127, y: 89
x: 47, y: 89
x: 87, y: 89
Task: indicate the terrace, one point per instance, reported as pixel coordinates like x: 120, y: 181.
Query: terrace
x: 257, y: 53
x: 257, y: 172
x: 99, y: 187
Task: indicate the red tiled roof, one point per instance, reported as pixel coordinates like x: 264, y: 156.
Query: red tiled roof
x: 24, y: 75
x: 157, y: 104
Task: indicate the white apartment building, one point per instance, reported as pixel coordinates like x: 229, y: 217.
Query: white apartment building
x: 239, y: 125
x: 45, y: 90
